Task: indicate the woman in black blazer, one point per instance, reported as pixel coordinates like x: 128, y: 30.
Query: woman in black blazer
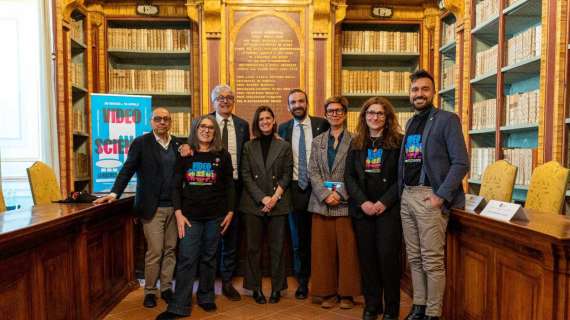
x: 267, y: 168
x: 371, y: 180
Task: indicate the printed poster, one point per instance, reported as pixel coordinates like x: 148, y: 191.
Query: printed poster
x: 116, y: 121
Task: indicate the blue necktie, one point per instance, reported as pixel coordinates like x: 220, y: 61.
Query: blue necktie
x: 303, y: 178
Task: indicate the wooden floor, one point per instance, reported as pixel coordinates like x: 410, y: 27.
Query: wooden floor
x: 288, y: 308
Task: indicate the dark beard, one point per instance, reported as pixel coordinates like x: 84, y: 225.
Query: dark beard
x: 428, y: 106
x: 299, y: 118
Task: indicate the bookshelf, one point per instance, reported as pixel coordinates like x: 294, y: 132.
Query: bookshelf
x: 376, y: 59
x: 79, y: 103
x: 153, y: 57
x: 504, y: 86
x: 448, y: 62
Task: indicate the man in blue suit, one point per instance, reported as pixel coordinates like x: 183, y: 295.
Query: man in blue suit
x: 433, y: 162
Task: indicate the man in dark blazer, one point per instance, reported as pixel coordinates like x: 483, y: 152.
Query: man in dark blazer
x: 433, y: 162
x: 153, y: 157
x: 235, y: 133
x: 300, y: 132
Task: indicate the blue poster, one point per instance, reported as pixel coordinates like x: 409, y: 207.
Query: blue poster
x: 116, y: 121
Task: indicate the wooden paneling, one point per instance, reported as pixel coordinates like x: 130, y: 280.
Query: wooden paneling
x: 63, y: 261
x: 499, y: 270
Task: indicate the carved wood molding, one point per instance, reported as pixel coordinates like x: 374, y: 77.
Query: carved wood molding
x: 431, y: 15
x: 213, y: 18
x: 193, y: 8
x: 69, y: 6
x: 339, y: 10
x: 457, y: 7
x: 321, y: 18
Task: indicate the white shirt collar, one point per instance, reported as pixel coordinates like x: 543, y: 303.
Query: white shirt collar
x: 159, y: 140
x: 305, y: 122
x: 220, y: 119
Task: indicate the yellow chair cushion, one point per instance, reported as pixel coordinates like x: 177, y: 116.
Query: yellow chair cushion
x: 43, y: 183
x: 547, y: 188
x: 498, y: 181
x: 2, y: 202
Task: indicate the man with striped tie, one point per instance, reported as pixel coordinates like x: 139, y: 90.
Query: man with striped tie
x: 300, y: 131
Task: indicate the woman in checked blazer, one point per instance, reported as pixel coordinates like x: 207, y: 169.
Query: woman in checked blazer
x: 334, y: 261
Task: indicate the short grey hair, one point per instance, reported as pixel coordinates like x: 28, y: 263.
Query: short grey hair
x: 219, y: 89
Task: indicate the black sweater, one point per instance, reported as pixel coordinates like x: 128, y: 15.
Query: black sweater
x: 204, y: 185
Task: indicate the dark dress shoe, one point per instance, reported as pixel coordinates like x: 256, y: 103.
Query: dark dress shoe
x: 370, y: 313
x: 302, y: 292
x: 208, y: 306
x: 167, y: 295
x: 167, y: 316
x: 230, y: 292
x: 431, y: 318
x: 275, y: 297
x: 390, y: 317
x: 259, y: 297
x: 149, y: 301
x: 418, y: 312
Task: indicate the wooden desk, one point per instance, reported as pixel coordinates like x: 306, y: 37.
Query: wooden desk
x: 65, y: 261
x: 502, y: 270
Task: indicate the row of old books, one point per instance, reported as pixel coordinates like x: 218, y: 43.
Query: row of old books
x: 149, y: 39
x: 486, y: 61
x: 522, y: 108
x: 352, y: 119
x: 145, y: 80
x: 448, y: 73
x: 447, y: 33
x: 79, y: 123
x: 375, y: 81
x: 484, y: 114
x: 370, y: 41
x: 524, y: 160
x: 180, y: 124
x: 76, y: 30
x: 485, y: 10
x: 524, y: 45
x: 77, y: 71
x: 480, y: 159
x: 81, y: 165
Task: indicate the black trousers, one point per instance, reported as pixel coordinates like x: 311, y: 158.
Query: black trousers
x: 300, y: 221
x: 274, y: 228
x: 379, y: 243
x: 229, y: 246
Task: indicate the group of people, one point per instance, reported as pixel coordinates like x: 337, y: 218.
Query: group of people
x: 348, y: 199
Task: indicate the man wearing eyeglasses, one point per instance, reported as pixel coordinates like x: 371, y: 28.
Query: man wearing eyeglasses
x: 235, y: 133
x: 153, y: 157
x: 300, y: 132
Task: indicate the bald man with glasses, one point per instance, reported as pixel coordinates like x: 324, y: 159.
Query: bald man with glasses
x: 153, y: 157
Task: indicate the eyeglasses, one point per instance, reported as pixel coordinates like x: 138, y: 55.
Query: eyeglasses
x: 338, y: 112
x: 160, y: 119
x: 378, y: 114
x: 205, y: 127
x: 225, y: 98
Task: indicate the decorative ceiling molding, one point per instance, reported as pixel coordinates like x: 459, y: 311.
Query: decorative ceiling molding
x: 457, y: 7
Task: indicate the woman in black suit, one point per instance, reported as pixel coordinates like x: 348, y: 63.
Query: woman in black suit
x: 267, y: 167
x: 371, y: 180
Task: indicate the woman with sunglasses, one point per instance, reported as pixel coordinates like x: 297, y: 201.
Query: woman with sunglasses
x: 371, y: 180
x: 334, y: 261
x: 267, y: 168
x: 203, y: 198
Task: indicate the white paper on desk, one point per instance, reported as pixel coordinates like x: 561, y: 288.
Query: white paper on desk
x: 504, y: 211
x: 472, y: 202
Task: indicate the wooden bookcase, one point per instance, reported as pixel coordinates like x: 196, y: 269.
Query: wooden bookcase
x: 74, y: 108
x: 505, y: 79
x: 153, y: 57
x: 376, y: 59
x: 448, y: 68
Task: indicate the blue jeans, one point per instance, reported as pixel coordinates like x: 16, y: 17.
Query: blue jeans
x: 199, y: 245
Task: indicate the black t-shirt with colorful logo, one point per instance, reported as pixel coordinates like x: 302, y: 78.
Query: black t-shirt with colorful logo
x: 205, y: 185
x: 413, y: 157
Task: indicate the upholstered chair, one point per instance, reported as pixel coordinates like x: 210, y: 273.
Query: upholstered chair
x: 498, y: 181
x: 43, y: 183
x: 547, y: 188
